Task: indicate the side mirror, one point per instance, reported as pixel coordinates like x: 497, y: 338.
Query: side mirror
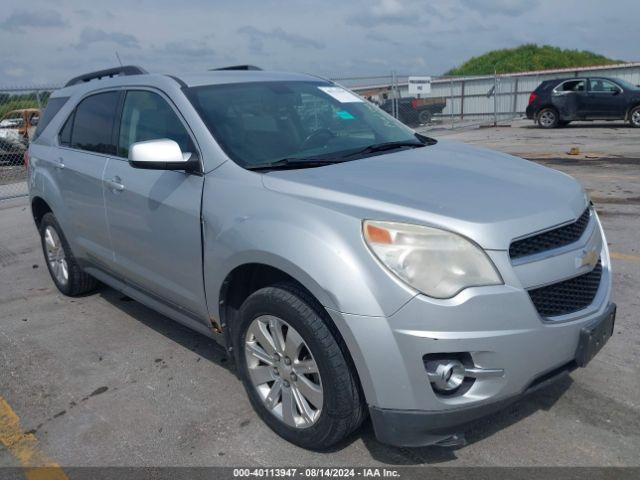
x: 162, y: 154
x: 616, y: 92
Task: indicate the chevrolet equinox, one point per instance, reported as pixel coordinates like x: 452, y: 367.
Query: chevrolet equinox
x: 350, y: 266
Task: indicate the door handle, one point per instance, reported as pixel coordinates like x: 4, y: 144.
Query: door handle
x: 60, y: 164
x: 115, y: 184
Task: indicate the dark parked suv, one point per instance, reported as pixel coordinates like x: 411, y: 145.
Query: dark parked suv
x: 557, y: 102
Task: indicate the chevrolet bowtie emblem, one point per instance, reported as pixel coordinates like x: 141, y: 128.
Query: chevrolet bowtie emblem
x: 587, y: 258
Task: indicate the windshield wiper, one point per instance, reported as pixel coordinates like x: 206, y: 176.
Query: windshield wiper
x: 293, y: 163
x: 311, y: 162
x: 382, y: 147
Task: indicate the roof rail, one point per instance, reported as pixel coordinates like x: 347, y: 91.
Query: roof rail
x: 124, y: 70
x: 238, y: 67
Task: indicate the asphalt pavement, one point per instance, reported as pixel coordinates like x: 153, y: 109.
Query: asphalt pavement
x: 102, y: 380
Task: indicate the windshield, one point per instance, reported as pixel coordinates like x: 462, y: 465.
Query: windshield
x: 262, y: 122
x: 626, y: 85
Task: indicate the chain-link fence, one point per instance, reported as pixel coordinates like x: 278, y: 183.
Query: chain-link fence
x: 449, y: 102
x: 20, y: 111
x: 452, y: 102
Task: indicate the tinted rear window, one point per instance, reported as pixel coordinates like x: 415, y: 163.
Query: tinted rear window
x: 93, y: 123
x: 53, y: 107
x: 65, y: 134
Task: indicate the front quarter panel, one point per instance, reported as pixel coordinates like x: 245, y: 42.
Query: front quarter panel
x: 320, y: 248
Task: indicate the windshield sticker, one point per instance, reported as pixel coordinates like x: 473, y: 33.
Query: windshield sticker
x: 341, y: 95
x: 344, y: 115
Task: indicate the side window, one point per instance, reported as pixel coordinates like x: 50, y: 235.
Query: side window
x: 603, y: 86
x: 93, y: 124
x: 64, y: 137
x: 572, y: 86
x: 147, y: 116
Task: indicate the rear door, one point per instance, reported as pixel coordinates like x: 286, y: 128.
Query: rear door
x: 605, y: 99
x: 568, y: 98
x: 154, y: 215
x: 85, y: 146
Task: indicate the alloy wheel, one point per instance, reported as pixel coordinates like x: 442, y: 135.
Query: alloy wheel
x: 635, y: 118
x: 55, y: 255
x: 547, y: 118
x: 283, y: 371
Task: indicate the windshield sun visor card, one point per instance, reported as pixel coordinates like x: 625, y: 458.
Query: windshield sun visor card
x: 341, y: 95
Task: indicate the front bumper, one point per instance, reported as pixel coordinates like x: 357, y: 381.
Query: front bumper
x: 414, y: 428
x: 497, y: 327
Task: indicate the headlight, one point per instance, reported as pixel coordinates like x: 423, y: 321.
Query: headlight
x: 437, y: 263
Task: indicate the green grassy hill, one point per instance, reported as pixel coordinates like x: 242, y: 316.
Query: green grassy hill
x: 529, y: 57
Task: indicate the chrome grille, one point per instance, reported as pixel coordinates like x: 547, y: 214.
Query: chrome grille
x: 558, y: 237
x: 568, y: 296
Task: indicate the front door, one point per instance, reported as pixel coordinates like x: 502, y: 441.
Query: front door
x: 605, y: 99
x: 154, y: 215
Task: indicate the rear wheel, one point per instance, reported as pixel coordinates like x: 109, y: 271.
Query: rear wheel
x: 295, y: 372
x: 65, y: 272
x: 548, y: 118
x: 634, y: 117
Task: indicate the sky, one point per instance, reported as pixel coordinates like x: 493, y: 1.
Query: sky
x: 47, y: 42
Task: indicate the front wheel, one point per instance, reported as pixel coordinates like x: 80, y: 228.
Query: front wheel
x: 548, y: 118
x: 634, y: 117
x: 295, y: 372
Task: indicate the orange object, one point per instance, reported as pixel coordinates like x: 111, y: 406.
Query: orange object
x: 378, y: 235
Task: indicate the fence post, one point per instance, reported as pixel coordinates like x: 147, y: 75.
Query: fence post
x: 394, y: 102
x: 515, y: 98
x: 495, y: 98
x: 451, y: 109
x: 396, y: 94
x: 462, y: 101
x: 38, y: 100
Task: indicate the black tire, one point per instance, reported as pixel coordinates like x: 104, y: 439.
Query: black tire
x: 548, y: 118
x: 78, y: 282
x: 634, y: 117
x: 343, y: 409
x: 424, y: 117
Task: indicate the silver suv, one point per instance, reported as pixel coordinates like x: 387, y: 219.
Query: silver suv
x: 348, y: 265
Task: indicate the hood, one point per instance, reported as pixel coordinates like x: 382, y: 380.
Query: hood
x: 487, y: 196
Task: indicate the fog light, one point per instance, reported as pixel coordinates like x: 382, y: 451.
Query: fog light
x: 446, y: 375
x: 453, y: 374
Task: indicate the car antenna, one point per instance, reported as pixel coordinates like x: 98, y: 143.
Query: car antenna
x: 118, y: 57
